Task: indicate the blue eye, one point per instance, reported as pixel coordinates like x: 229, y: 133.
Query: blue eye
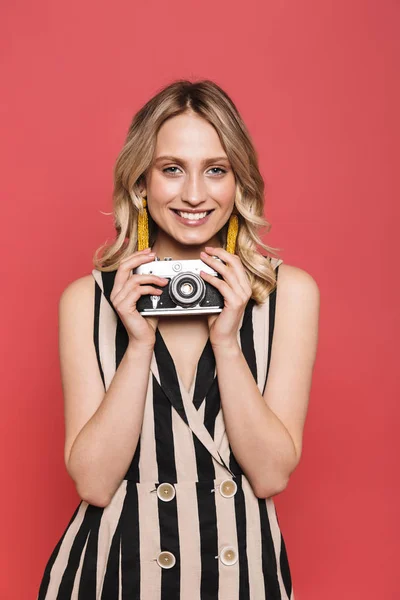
x: 167, y: 170
x: 218, y: 169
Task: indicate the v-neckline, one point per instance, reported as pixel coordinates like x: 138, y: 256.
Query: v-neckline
x: 205, y: 365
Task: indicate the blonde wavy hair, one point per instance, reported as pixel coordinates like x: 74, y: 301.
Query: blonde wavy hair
x: 206, y: 99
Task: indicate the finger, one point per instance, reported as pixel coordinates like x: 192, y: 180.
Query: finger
x: 233, y: 261
x: 222, y: 286
x: 124, y: 270
x: 229, y: 273
x: 136, y: 253
x: 130, y: 299
x: 137, y: 280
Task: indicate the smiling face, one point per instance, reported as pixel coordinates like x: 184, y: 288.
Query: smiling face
x: 190, y: 187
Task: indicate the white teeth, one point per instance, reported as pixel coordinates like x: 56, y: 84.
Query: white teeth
x: 191, y: 216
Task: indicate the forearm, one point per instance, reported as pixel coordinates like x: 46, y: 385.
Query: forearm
x: 104, y: 448
x: 259, y: 440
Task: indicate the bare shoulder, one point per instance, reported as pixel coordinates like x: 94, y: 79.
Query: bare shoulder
x: 78, y: 294
x: 82, y: 286
x: 297, y: 285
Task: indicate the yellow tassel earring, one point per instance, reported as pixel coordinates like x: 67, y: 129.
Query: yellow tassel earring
x: 143, y: 228
x: 233, y: 228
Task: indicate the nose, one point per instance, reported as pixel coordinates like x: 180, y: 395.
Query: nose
x: 194, y: 190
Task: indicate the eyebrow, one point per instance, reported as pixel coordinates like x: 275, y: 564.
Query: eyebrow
x: 181, y: 160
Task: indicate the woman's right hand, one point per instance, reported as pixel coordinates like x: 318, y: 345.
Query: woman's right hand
x: 127, y: 289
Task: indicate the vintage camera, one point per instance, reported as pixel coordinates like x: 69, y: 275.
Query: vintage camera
x: 186, y: 291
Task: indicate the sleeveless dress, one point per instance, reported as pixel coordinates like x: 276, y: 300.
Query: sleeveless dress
x: 184, y: 524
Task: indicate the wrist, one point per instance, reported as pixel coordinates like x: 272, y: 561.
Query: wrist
x: 139, y: 349
x: 229, y: 347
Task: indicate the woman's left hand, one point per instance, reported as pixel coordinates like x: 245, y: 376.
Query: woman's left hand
x: 234, y: 287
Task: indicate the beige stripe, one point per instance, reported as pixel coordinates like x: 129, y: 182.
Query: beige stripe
x: 97, y: 275
x: 275, y: 262
x: 108, y: 525
x: 148, y: 468
x: 185, y: 456
x: 61, y: 561
x: 276, y: 538
x: 227, y: 536
x: 149, y: 537
x: 254, y: 546
x: 260, y: 337
x: 189, y: 540
x: 75, y: 589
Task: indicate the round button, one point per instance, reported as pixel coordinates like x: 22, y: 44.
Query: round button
x: 228, y: 488
x: 228, y: 555
x: 166, y: 492
x: 166, y: 560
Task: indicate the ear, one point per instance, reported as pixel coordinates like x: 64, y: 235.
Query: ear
x: 141, y: 187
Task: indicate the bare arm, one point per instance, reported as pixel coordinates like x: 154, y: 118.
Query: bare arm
x: 265, y: 433
x: 102, y: 429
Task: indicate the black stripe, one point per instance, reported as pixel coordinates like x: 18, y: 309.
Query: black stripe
x: 130, y: 544
x: 165, y: 451
x: 212, y: 407
x: 87, y: 584
x: 121, y: 342
x: 248, y: 350
x: 284, y: 563
x: 169, y: 540
x: 96, y: 323
x: 46, y: 575
x: 164, y: 438
x: 241, y: 526
x: 204, y: 375
x: 204, y: 461
x: 168, y: 377
x: 108, y: 278
x: 204, y: 390
x: 285, y: 569
x: 272, y: 306
x: 208, y: 540
x: 133, y: 471
x: 269, y: 565
x: 247, y: 338
x: 91, y: 519
x: 110, y: 588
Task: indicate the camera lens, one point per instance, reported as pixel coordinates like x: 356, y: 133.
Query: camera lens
x: 187, y: 289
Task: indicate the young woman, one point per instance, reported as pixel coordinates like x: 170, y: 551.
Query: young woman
x: 180, y: 429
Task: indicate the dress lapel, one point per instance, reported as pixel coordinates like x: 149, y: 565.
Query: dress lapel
x: 187, y: 403
x: 164, y: 371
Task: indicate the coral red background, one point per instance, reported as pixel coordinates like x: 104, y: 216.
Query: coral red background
x: 318, y: 85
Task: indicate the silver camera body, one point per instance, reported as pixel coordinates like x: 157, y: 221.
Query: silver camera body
x: 186, y: 292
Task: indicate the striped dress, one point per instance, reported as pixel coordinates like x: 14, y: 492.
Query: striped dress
x: 184, y: 522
